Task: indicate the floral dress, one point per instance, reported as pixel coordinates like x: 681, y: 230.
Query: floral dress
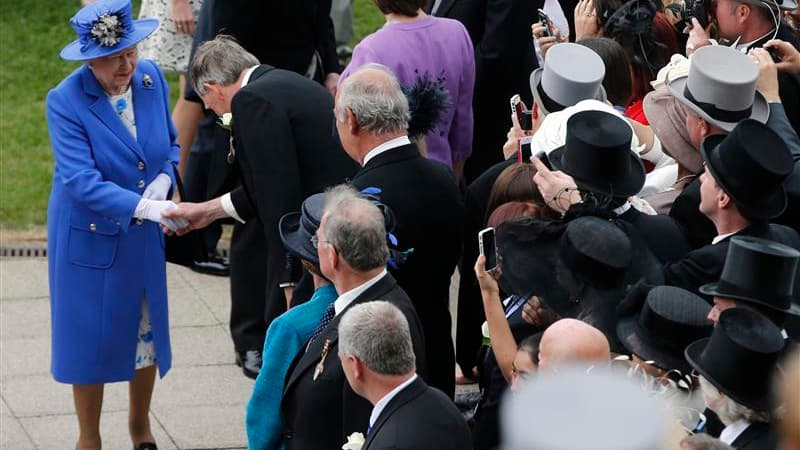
x: 167, y: 47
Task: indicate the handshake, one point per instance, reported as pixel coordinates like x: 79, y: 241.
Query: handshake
x: 154, y: 210
x: 178, y: 218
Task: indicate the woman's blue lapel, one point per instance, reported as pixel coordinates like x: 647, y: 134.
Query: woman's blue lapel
x: 144, y: 90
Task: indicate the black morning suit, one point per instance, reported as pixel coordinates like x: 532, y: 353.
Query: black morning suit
x: 704, y: 265
x: 788, y: 83
x: 320, y: 414
x: 419, y: 418
x: 661, y: 234
x: 757, y: 436
x: 285, y: 150
x: 284, y: 35
x: 429, y: 214
x: 504, y: 59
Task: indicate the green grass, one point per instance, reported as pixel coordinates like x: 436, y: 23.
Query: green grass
x: 32, y: 32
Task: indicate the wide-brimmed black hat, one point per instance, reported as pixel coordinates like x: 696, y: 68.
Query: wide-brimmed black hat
x: 750, y: 165
x: 666, y: 321
x: 597, y: 155
x: 758, y: 271
x: 740, y: 357
x: 596, y: 251
x: 297, y: 228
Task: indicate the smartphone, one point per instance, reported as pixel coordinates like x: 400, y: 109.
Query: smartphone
x: 544, y: 21
x: 516, y: 103
x: 523, y: 115
x: 524, y: 151
x: 487, y: 248
x: 542, y: 156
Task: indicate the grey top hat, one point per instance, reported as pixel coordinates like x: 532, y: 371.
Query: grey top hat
x: 571, y: 73
x: 721, y: 87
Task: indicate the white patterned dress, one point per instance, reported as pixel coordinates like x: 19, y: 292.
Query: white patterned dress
x: 167, y: 47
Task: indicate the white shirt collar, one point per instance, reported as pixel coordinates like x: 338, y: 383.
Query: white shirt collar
x: 345, y: 299
x: 743, y: 47
x: 388, y: 145
x: 378, y: 409
x: 732, y: 431
x: 721, y: 237
x: 247, y: 74
x: 622, y: 209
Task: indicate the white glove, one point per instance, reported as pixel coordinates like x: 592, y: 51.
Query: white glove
x: 152, y: 210
x: 158, y: 188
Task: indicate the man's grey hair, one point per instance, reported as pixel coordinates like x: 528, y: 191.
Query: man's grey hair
x: 377, y: 101
x: 702, y: 441
x: 355, y: 228
x: 377, y: 334
x: 727, y: 409
x: 219, y: 61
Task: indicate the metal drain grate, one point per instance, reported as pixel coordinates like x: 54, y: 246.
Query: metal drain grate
x: 34, y: 252
x: 23, y: 252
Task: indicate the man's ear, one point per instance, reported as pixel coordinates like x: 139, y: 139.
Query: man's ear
x: 214, y: 89
x: 352, y: 122
x: 358, y: 367
x: 743, y: 12
x: 724, y: 200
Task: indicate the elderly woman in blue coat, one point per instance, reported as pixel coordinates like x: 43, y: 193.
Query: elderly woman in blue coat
x: 114, y: 147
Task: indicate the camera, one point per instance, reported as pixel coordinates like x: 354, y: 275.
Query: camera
x: 696, y: 8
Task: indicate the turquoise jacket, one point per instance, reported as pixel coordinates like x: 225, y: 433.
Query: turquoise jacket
x: 286, y: 337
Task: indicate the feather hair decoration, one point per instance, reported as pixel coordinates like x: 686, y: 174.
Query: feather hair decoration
x: 428, y: 100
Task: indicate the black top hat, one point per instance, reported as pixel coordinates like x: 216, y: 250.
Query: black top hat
x: 758, y: 271
x: 297, y: 228
x: 597, y: 155
x: 596, y: 251
x: 739, y: 357
x: 750, y: 165
x: 659, y: 326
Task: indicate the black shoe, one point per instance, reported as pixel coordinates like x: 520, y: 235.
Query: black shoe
x: 250, y: 362
x: 216, y: 265
x: 146, y: 446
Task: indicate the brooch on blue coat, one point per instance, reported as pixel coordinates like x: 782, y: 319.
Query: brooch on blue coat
x: 147, y: 81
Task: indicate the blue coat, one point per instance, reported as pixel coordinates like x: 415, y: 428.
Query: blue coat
x: 102, y: 261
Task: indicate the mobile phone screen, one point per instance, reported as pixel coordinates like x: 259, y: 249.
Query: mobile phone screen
x: 487, y: 247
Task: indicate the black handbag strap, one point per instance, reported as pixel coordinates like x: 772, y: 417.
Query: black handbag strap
x: 178, y: 182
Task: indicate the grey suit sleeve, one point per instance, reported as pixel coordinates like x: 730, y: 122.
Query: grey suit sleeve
x: 779, y: 123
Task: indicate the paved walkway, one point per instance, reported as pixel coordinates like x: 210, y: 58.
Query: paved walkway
x: 199, y: 405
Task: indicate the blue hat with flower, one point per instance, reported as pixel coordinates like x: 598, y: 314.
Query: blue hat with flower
x: 105, y: 27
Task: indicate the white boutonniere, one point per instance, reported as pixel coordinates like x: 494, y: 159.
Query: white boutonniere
x: 354, y: 442
x: 226, y: 121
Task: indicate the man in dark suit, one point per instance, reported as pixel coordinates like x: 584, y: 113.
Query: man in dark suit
x: 750, y: 24
x: 422, y: 195
x: 504, y: 59
x: 740, y: 191
x: 319, y: 408
x: 735, y: 367
x: 284, y: 148
x: 296, y: 36
x: 378, y: 361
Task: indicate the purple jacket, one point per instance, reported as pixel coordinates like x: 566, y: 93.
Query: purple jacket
x: 442, y: 48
